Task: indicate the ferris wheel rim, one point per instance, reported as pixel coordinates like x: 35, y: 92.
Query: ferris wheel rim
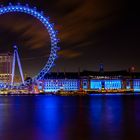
x: 48, y: 26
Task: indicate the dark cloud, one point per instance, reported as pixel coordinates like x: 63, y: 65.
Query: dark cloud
x: 69, y: 54
x: 88, y: 17
x: 30, y: 31
x: 78, y: 20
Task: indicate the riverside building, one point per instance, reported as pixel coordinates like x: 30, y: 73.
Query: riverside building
x: 6, y: 60
x: 93, y: 81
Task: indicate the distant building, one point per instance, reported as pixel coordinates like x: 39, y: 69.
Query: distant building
x: 6, y: 67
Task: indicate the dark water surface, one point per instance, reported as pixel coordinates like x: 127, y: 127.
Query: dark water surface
x: 70, y: 118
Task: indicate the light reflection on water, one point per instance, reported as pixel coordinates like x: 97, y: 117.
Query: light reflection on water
x: 69, y: 118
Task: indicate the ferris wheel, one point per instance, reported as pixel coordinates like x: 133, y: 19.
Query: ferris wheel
x: 48, y: 26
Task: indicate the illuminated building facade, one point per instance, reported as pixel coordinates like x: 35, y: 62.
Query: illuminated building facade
x: 53, y: 85
x: 116, y: 81
x: 136, y: 85
x: 114, y: 84
x: 6, y: 67
x: 62, y: 81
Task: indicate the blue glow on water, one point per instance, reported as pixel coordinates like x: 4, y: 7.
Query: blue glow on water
x: 69, y: 118
x: 106, y: 109
x: 49, y: 117
x: 113, y: 94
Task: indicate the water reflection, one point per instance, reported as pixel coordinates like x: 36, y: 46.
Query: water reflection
x: 48, y: 116
x: 69, y: 118
x: 106, y: 113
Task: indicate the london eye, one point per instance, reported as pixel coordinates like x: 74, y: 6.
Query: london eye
x: 49, y: 27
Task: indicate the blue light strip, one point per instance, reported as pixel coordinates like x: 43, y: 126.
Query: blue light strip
x: 113, y: 84
x: 109, y: 84
x: 96, y: 84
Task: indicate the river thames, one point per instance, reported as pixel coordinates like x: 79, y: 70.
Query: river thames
x: 112, y: 117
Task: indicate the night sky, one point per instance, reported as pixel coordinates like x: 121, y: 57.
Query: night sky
x: 91, y: 32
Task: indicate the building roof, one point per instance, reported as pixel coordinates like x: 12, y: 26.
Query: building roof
x: 77, y: 75
x: 62, y: 75
x: 6, y: 54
